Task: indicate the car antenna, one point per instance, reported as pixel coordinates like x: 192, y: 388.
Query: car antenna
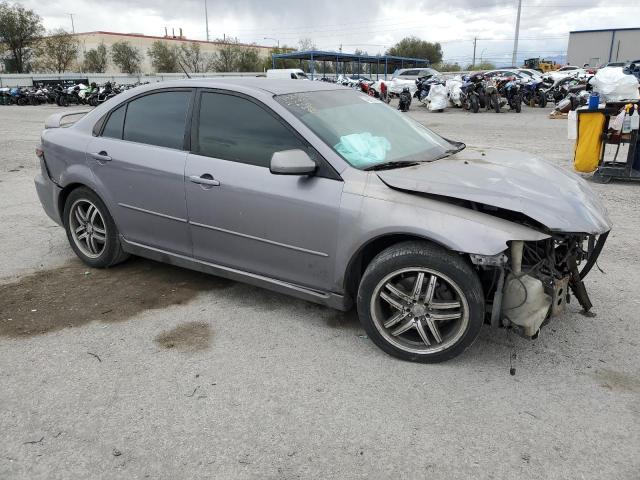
x: 184, y: 69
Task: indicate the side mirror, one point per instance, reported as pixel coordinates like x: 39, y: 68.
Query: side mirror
x: 292, y: 162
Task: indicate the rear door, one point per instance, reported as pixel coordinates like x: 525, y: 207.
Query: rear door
x: 243, y: 216
x: 138, y: 160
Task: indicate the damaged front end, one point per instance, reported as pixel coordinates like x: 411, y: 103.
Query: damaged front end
x: 533, y: 281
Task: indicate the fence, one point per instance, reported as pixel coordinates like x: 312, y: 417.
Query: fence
x: 27, y: 79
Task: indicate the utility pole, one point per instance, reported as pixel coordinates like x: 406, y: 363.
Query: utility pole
x: 73, y: 28
x: 475, y: 42
x: 206, y: 19
x: 515, y: 40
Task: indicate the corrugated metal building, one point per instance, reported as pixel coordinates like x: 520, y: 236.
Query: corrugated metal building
x: 597, y: 47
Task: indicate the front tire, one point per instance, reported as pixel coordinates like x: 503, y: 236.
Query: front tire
x: 542, y: 99
x: 420, y: 302
x: 495, y: 102
x: 91, y: 231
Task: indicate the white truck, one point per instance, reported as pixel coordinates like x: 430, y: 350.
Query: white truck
x: 291, y: 73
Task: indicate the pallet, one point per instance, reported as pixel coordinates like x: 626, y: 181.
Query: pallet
x: 558, y: 115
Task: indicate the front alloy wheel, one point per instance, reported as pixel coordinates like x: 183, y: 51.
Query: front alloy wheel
x: 420, y: 302
x: 419, y: 310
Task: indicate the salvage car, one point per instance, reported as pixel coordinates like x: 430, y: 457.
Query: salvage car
x: 329, y: 195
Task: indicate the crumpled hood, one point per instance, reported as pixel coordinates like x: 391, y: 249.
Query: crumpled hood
x: 512, y: 180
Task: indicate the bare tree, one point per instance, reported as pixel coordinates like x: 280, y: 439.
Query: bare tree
x: 305, y: 44
x: 225, y: 59
x: 192, y: 57
x: 58, y: 51
x: 96, y: 59
x: 20, y: 30
x: 126, y: 57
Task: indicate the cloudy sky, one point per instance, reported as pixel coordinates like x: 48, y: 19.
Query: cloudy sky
x: 371, y: 25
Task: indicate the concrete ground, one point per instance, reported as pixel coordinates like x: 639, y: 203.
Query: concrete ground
x: 148, y: 371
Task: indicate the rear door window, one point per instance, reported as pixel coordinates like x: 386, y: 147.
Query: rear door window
x: 158, y: 119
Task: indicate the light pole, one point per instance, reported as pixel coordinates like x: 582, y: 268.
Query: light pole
x: 206, y: 19
x: 274, y: 39
x: 73, y: 28
x: 514, y: 58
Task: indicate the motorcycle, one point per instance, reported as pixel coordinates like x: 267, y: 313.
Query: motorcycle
x: 563, y: 87
x: 510, y: 89
x: 534, y: 93
x: 404, y: 100
x: 472, y: 95
x: 103, y: 94
x: 503, y: 91
x: 5, y: 97
x: 19, y: 96
x: 69, y: 96
x: 424, y: 87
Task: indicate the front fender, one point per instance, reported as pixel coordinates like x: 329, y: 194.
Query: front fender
x: 456, y: 228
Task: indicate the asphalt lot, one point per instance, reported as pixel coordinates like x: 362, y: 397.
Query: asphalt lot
x: 148, y: 371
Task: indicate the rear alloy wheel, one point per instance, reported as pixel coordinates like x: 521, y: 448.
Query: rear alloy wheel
x: 91, y: 231
x: 421, y: 303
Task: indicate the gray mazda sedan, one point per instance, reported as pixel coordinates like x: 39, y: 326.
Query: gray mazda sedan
x: 329, y: 195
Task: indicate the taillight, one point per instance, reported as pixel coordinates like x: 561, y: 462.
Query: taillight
x: 39, y: 152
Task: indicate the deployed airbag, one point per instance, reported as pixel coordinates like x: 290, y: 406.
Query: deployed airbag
x: 363, y: 149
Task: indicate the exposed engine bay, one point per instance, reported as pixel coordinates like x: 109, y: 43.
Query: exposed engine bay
x: 533, y: 281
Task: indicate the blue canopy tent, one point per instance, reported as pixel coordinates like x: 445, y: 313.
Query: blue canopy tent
x: 390, y: 62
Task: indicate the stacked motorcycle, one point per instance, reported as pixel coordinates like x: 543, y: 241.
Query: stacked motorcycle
x: 501, y: 91
x: 60, y: 95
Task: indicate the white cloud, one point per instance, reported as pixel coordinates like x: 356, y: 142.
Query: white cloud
x: 372, y: 26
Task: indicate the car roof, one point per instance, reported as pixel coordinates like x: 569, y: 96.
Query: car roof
x: 274, y: 86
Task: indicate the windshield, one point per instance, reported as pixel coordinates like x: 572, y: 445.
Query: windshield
x: 364, y: 131
x: 301, y: 75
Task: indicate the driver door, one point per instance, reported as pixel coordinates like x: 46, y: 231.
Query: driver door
x: 243, y: 216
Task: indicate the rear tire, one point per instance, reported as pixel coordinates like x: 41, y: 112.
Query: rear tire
x: 433, y: 320
x: 91, y: 231
x: 474, y: 104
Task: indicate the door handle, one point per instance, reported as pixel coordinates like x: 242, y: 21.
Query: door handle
x: 101, y: 156
x: 205, y: 179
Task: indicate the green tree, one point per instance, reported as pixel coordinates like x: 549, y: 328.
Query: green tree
x: 280, y: 63
x: 415, y: 48
x: 20, y: 31
x: 126, y: 57
x: 482, y: 66
x: 447, y: 67
x: 248, y: 60
x: 164, y: 57
x: 96, y: 59
x: 58, y: 51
